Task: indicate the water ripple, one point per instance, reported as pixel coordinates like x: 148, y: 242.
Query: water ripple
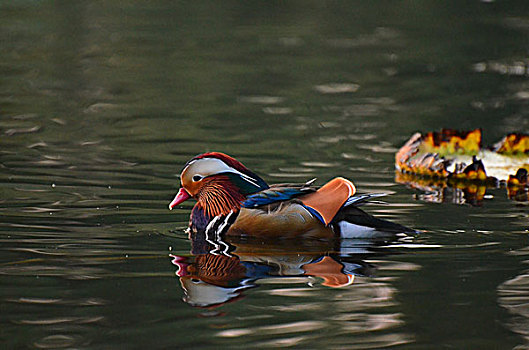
x: 337, y: 88
x: 60, y: 320
x: 30, y: 130
x: 59, y: 341
x: 285, y: 328
x: 58, y: 301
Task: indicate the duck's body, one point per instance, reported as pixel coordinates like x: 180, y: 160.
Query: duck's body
x: 289, y: 220
x: 232, y: 200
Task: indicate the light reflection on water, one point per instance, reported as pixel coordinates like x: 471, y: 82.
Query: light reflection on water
x: 513, y: 295
x: 101, y: 104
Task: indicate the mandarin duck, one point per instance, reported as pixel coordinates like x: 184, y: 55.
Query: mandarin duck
x: 233, y: 200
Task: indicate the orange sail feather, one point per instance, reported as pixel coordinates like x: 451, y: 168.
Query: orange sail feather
x: 330, y: 198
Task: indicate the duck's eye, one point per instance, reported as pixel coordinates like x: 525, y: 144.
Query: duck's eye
x: 197, y: 178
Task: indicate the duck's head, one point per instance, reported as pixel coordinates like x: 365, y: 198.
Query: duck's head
x: 218, y: 182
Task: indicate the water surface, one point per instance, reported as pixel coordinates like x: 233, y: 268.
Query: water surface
x: 101, y: 103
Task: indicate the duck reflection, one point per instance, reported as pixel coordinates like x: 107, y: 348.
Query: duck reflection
x: 219, y: 271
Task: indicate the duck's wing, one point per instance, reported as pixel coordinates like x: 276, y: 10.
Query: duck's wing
x: 278, y: 193
x: 323, y: 203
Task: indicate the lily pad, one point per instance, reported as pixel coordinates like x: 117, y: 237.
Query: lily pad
x: 456, y: 159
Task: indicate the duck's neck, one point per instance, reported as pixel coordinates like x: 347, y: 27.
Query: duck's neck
x: 215, y: 201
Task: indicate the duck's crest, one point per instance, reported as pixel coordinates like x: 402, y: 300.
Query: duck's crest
x: 234, y: 164
x: 230, y: 161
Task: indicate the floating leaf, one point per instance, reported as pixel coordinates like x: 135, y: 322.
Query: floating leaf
x: 457, y: 160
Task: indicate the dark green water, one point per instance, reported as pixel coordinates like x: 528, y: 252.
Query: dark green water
x: 102, y: 102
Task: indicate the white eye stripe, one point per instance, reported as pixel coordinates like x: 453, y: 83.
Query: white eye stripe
x: 211, y: 166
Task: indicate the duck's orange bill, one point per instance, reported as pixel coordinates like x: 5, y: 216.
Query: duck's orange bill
x: 180, y: 197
